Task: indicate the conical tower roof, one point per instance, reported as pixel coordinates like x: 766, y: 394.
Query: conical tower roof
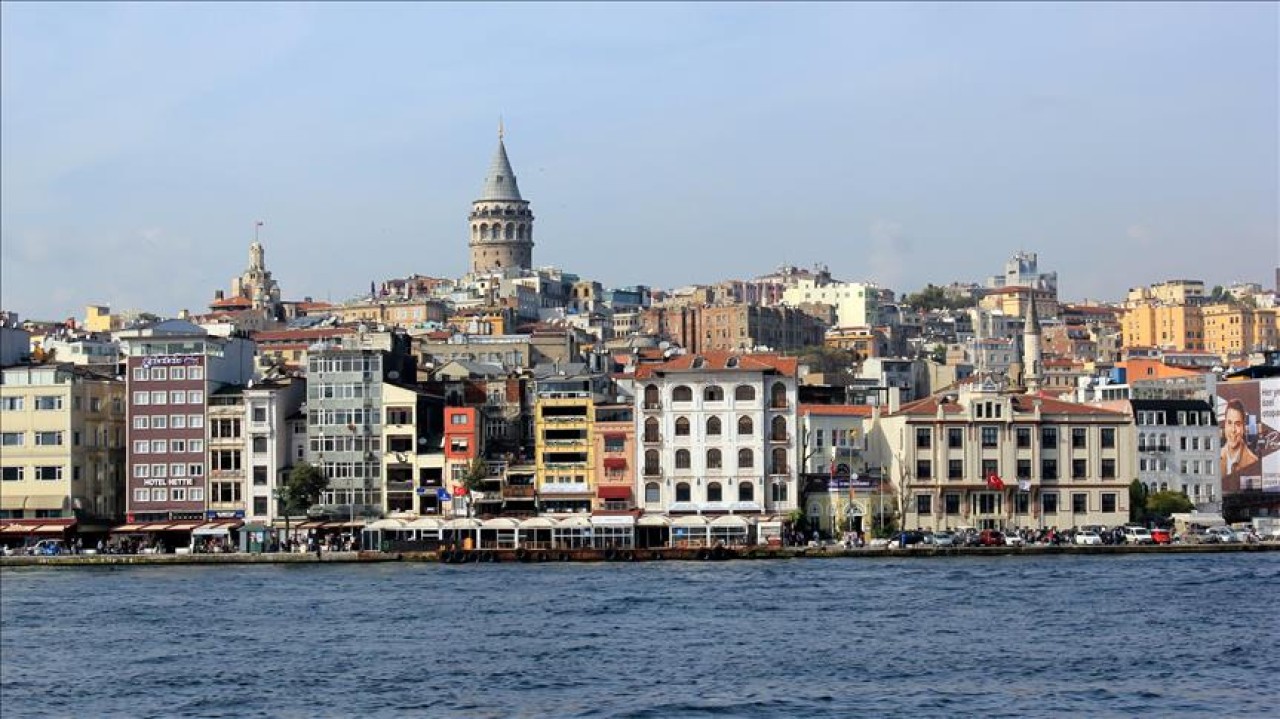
x: 1033, y: 317
x: 500, y: 182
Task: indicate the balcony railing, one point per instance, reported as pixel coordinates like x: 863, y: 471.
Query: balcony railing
x: 779, y: 437
x: 519, y: 491
x: 653, y: 471
x: 653, y: 405
x: 652, y: 440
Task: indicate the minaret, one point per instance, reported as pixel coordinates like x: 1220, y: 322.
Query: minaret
x: 501, y: 223
x: 1031, y: 346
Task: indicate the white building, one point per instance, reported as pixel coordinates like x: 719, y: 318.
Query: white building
x: 856, y: 303
x: 268, y: 406
x: 1178, y: 450
x: 718, y: 434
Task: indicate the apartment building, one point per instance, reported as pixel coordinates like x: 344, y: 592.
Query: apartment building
x: 268, y: 406
x: 1178, y: 444
x: 564, y: 426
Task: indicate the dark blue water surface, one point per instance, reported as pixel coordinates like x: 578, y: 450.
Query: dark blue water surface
x: 1183, y: 635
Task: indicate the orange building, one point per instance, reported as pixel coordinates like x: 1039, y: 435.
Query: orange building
x: 1178, y: 327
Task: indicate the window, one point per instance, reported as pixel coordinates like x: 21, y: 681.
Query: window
x: 195, y: 445
x: 1022, y: 503
x: 259, y: 505
x: 177, y: 397
x: 1079, y: 503
x: 1109, y: 437
x: 744, y: 393
x: 714, y: 492
x: 11, y: 474
x: 682, y: 394
x: 142, y: 495
x: 924, y: 504
x: 1024, y: 469
x: 1109, y: 501
x: 196, y: 494
x: 159, y: 470
x: 713, y: 426
x: 1048, y: 469
x: 141, y: 398
x: 1108, y: 469
x: 142, y: 421
x: 651, y: 430
x: 159, y: 373
x: 44, y: 403
x: 11, y: 439
x: 159, y: 397
x: 1023, y: 435
x: 160, y: 421
x: 682, y: 459
x: 779, y: 461
x: 178, y: 421
x: 259, y: 415
x: 260, y: 476
x: 178, y: 494
x: 778, y: 492
x: 1077, y: 437
x: 139, y: 374
x: 260, y: 444
x: 1079, y: 468
x: 141, y: 471
x: 990, y: 437
x: 1049, y: 502
x: 745, y: 427
x: 682, y: 492
x: 458, y: 418
x: 11, y: 404
x: 779, y: 429
x: 141, y: 446
x: 713, y: 459
x: 988, y: 503
x: 48, y: 439
x: 195, y: 373
x: 746, y: 492
x: 177, y: 470
x: 195, y: 470
x: 48, y: 474
x: 177, y: 373
x: 955, y: 469
x: 652, y: 493
x: 955, y: 438
x: 951, y: 504
x: 682, y: 427
x: 713, y: 393
x: 159, y: 494
x: 746, y: 459
x: 195, y: 421
x: 924, y: 469
x: 159, y: 446
x: 1048, y: 438
x: 924, y: 438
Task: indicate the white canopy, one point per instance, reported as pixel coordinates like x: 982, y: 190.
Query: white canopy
x: 576, y: 521
x: 425, y: 523
x: 654, y: 520
x: 692, y: 520
x: 387, y: 524
x: 729, y: 521
x: 500, y: 523
x: 539, y: 523
x: 462, y: 523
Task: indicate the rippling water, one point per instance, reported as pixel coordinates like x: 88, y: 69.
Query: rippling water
x: 1184, y: 635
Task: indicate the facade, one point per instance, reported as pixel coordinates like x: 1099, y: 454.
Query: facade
x: 841, y: 492
x: 1167, y: 326
x: 991, y: 459
x: 501, y: 221
x: 268, y: 405
x: 856, y: 304
x: 718, y: 432
x: 344, y: 427
x: 172, y: 369
x: 564, y: 427
x: 1022, y: 271
x: 61, y: 447
x: 416, y: 448
x: 228, y: 470
x: 614, y: 438
x: 252, y: 289
x: 1178, y: 450
x: 1232, y: 330
x: 733, y: 328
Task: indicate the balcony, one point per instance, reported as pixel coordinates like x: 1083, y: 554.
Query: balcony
x: 780, y: 437
x: 652, y: 471
x: 518, y: 491
x: 654, y: 439
x: 652, y: 406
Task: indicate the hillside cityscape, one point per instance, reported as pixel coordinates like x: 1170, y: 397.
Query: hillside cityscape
x: 518, y: 399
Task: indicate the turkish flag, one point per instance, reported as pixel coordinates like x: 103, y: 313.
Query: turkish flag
x: 994, y: 481
x: 459, y: 490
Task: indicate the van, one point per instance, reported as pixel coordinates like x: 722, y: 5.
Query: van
x: 1138, y: 535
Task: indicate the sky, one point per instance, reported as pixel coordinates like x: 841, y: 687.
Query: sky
x: 663, y: 144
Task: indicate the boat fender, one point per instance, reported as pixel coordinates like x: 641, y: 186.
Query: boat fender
x: 703, y: 554
x: 610, y: 555
x: 564, y: 556
x: 522, y: 555
x: 628, y: 556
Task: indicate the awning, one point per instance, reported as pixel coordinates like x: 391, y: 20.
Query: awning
x: 182, y: 526
x: 14, y: 500
x: 689, y: 521
x: 729, y: 521
x: 615, y: 435
x: 35, y: 527
x: 462, y: 523
x: 615, y: 463
x: 615, y: 492
x: 206, y: 530
x: 654, y: 520
x: 539, y: 523
x: 387, y: 524
x: 425, y: 523
x: 500, y: 523
x: 613, y: 520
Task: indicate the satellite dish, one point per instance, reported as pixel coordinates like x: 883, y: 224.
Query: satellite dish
x: 422, y: 441
x: 393, y: 374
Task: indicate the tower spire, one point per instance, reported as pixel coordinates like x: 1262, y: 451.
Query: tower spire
x: 501, y: 131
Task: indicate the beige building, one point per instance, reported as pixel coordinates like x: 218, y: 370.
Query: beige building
x: 991, y: 459
x: 1166, y: 326
x: 1169, y: 292
x: 856, y: 304
x: 61, y: 447
x: 1235, y: 330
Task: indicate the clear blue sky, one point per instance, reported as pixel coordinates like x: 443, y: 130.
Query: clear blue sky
x: 664, y: 144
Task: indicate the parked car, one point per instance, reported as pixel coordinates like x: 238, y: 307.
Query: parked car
x: 1138, y: 535
x: 912, y: 538
x: 990, y: 538
x: 1223, y: 535
x: 1013, y: 539
x: 47, y: 547
x: 944, y: 539
x: 1160, y: 535
x: 1088, y: 537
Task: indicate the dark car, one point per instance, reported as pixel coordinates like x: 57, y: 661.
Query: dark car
x: 909, y: 539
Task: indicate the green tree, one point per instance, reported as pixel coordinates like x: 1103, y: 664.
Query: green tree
x: 303, y: 487
x: 827, y: 359
x: 1162, y: 504
x: 1137, y: 501
x: 475, y: 475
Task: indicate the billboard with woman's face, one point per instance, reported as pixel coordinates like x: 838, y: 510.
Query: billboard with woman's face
x: 1249, y: 416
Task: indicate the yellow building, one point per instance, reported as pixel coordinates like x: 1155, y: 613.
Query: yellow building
x: 98, y: 318
x: 1233, y: 330
x: 1176, y: 327
x: 1169, y: 292
x: 1014, y: 301
x: 61, y: 451
x: 565, y: 453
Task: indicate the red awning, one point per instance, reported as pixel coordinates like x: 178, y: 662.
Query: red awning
x: 615, y: 463
x: 614, y: 435
x: 620, y: 493
x: 37, y: 526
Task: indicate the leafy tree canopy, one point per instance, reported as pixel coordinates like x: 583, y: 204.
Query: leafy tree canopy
x: 1162, y: 504
x: 303, y: 487
x: 933, y: 297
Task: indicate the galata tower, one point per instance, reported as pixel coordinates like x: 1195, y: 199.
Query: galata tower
x: 501, y: 222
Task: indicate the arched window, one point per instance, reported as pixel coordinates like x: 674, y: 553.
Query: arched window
x: 682, y: 426
x: 652, y: 493
x: 652, y: 465
x: 778, y: 430
x: 778, y: 395
x: 746, y: 459
x: 713, y: 459
x: 682, y: 459
x: 651, y: 430
x: 475, y: 232
x: 714, y: 492
x: 484, y: 231
x: 746, y: 492
x: 744, y: 393
x: 682, y: 394
x: 713, y: 426
x: 713, y: 393
x: 778, y: 492
x: 682, y: 492
x: 651, y: 397
x: 746, y: 427
x: 779, y: 461
x: 510, y: 231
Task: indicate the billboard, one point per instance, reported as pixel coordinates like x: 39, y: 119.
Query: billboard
x: 1249, y: 416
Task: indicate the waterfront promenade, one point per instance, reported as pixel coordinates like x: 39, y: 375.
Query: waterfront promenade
x: 594, y: 555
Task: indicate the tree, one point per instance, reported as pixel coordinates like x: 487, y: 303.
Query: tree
x: 475, y: 475
x: 1137, y: 501
x: 827, y: 359
x: 1162, y: 504
x: 303, y: 487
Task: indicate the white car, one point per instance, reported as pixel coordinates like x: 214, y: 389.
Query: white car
x: 1138, y: 535
x: 1224, y: 535
x: 1011, y: 539
x: 1087, y: 537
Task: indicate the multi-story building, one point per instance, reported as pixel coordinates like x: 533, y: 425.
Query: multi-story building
x: 1022, y: 271
x: 733, y: 328
x: 991, y: 459
x: 1169, y: 292
x: 1167, y: 326
x: 61, y: 450
x: 414, y: 457
x: 718, y: 432
x: 841, y: 492
x: 1235, y: 330
x: 228, y: 470
x: 856, y: 304
x: 173, y: 368
x: 1178, y: 449
x: 268, y: 406
x: 564, y: 422
x: 615, y: 446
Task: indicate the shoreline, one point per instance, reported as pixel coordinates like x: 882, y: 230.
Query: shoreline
x: 503, y: 556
